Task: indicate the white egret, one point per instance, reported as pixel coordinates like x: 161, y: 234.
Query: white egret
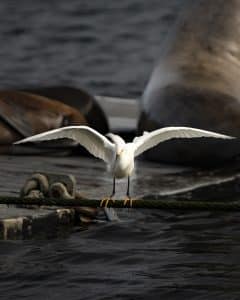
x: 115, y: 152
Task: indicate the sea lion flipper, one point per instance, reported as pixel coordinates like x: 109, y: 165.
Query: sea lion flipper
x: 11, y: 114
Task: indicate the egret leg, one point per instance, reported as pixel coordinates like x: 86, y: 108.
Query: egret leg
x: 128, y: 197
x: 106, y: 200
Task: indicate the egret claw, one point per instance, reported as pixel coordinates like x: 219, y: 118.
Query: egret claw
x: 128, y: 199
x: 104, y: 202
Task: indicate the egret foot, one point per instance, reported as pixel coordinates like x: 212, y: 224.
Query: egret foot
x: 128, y: 199
x: 104, y: 202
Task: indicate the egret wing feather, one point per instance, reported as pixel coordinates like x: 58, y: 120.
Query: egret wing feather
x: 151, y: 139
x: 96, y: 143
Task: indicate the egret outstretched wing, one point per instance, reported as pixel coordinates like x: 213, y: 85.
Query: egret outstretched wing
x: 151, y: 139
x: 96, y: 143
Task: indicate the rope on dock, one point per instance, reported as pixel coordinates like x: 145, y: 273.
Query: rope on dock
x: 148, y: 203
x: 60, y: 190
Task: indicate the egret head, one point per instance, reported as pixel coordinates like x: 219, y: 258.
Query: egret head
x: 118, y: 141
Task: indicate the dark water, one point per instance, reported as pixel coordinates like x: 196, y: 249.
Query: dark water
x: 150, y: 255
x: 109, y: 47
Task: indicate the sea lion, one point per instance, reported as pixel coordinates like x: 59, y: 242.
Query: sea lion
x: 80, y: 100
x: 23, y: 114
x: 30, y: 111
x: 196, y: 83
